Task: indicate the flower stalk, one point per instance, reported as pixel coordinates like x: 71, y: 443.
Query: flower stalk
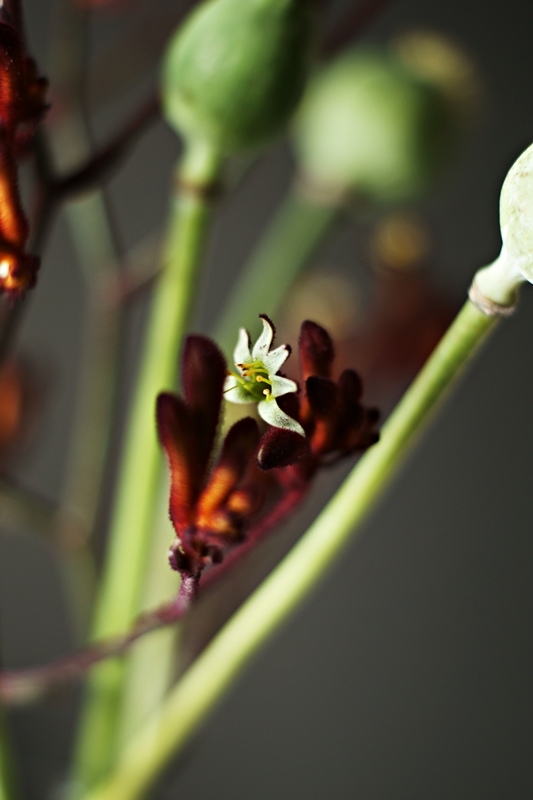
x: 131, y: 525
x: 217, y: 667
x: 298, y: 227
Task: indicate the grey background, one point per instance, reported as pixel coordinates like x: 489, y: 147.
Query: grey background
x: 407, y: 674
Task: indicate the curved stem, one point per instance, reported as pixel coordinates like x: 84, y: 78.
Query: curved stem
x: 297, y: 229
x: 20, y: 687
x: 131, y: 524
x: 220, y: 663
x: 23, y: 686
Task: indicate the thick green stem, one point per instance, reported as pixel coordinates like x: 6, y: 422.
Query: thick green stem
x: 122, y: 581
x: 298, y: 573
x: 296, y: 231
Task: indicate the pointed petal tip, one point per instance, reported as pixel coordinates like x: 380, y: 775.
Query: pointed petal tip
x: 242, y: 352
x: 316, y: 350
x: 266, y: 337
x: 274, y: 360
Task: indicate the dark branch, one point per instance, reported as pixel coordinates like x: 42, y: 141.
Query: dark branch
x: 21, y: 687
x: 352, y: 25
x: 102, y: 163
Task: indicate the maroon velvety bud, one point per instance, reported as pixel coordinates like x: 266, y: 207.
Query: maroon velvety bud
x: 237, y: 451
x: 177, y: 437
x: 316, y: 351
x: 350, y: 386
x: 323, y: 397
x: 281, y: 448
x: 204, y: 373
x: 21, y: 89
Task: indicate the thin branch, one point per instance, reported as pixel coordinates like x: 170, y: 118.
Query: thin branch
x: 21, y: 687
x: 27, y: 685
x: 104, y: 161
x: 352, y: 25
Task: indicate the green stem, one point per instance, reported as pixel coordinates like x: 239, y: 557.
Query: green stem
x: 96, y: 249
x: 298, y: 573
x: 151, y: 661
x: 119, y: 597
x: 296, y: 231
x: 7, y: 778
x: 93, y: 241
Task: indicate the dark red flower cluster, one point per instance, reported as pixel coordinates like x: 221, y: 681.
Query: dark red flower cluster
x: 209, y: 507
x: 22, y: 106
x: 215, y: 503
x: 335, y: 422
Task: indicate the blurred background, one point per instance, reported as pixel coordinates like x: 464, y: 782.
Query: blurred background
x: 407, y: 674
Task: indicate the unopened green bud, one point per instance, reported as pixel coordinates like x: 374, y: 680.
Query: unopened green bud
x: 516, y: 214
x: 499, y: 282
x: 235, y: 71
x: 371, y: 126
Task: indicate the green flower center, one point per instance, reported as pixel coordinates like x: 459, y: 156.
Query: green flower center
x: 255, y: 379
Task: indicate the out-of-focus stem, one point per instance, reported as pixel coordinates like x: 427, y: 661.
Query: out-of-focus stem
x: 23, y: 686
x: 141, y: 462
x: 220, y: 663
x: 151, y: 662
x: 297, y: 229
x: 8, y: 789
x: 96, y: 392
x: 97, y: 252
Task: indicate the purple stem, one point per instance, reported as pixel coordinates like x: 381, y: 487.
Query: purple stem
x: 23, y: 686
x: 103, y: 161
x: 352, y: 24
x: 26, y: 685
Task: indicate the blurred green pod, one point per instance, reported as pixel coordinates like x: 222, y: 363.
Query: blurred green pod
x: 373, y: 125
x: 235, y: 71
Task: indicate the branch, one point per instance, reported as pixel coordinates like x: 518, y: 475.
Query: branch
x: 352, y: 24
x: 24, y: 686
x: 20, y: 687
x: 104, y: 161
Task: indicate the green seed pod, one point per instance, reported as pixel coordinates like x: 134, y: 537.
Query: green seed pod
x: 370, y: 125
x: 516, y: 214
x: 235, y: 71
x: 499, y: 282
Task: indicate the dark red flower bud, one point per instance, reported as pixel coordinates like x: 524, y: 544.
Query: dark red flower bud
x: 350, y: 386
x: 237, y: 450
x: 281, y: 448
x: 316, y: 351
x: 177, y: 437
x: 22, y: 90
x: 204, y: 373
x: 322, y: 396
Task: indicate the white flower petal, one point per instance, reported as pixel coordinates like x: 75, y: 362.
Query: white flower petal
x: 276, y: 358
x: 282, y: 386
x: 261, y: 347
x: 272, y: 413
x: 234, y: 392
x: 241, y: 354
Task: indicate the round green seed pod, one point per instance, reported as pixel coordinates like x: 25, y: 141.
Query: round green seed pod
x: 516, y: 214
x: 369, y: 125
x: 235, y: 71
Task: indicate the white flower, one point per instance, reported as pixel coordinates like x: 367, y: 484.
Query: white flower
x: 256, y: 381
